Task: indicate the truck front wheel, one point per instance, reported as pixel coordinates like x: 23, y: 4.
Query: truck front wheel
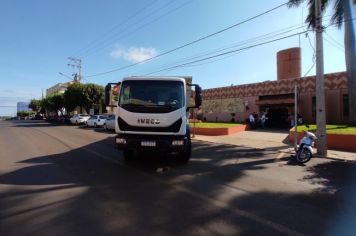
x: 184, y: 155
x: 128, y: 155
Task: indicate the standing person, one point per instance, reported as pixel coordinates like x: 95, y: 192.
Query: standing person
x: 252, y: 121
x: 257, y: 121
x: 300, y: 119
x: 263, y: 120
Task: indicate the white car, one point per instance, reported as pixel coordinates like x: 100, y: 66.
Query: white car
x: 79, y: 119
x: 96, y: 121
x: 110, y: 123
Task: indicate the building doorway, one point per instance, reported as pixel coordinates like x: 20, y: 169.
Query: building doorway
x: 278, y: 117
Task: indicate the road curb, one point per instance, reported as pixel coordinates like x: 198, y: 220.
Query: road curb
x: 286, y: 151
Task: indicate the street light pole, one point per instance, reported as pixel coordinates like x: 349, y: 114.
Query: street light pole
x: 65, y: 75
x: 319, y: 83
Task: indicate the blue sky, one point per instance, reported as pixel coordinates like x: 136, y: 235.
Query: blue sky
x: 38, y: 36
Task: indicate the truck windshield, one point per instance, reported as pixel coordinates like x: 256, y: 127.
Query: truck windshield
x: 147, y: 96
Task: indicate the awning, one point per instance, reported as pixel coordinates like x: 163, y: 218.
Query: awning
x: 286, y: 101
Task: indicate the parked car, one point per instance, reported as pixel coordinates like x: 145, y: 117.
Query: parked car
x: 79, y: 119
x: 96, y: 121
x: 110, y: 123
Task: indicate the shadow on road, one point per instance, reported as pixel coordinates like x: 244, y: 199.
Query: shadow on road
x: 119, y: 199
x: 34, y: 123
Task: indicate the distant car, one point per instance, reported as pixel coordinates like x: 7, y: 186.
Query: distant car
x: 110, y: 123
x: 96, y: 121
x: 79, y: 119
x: 38, y: 116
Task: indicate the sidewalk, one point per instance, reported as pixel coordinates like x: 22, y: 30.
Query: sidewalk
x: 268, y: 139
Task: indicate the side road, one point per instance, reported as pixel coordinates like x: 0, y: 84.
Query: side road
x: 268, y: 139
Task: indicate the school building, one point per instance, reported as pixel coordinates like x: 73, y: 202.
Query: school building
x: 236, y: 103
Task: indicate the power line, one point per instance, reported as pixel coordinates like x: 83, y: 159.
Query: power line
x: 226, y: 53
x: 107, y: 33
x: 238, y: 50
x: 245, y: 42
x: 334, y: 45
x: 239, y: 44
x: 335, y: 41
x: 122, y: 34
x: 190, y: 43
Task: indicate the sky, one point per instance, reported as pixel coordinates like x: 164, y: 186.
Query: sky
x: 184, y: 37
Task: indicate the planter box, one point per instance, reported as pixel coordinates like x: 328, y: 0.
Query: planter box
x: 218, y: 131
x: 342, y: 142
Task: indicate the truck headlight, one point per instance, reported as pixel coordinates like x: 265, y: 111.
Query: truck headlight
x: 121, y: 141
x: 177, y: 142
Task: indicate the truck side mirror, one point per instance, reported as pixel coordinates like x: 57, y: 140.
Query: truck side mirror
x: 107, y: 94
x: 198, y: 98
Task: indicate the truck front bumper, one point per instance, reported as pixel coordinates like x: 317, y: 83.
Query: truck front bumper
x: 164, y: 143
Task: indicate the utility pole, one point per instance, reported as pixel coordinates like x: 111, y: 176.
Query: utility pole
x: 295, y: 116
x: 76, y: 63
x: 320, y: 84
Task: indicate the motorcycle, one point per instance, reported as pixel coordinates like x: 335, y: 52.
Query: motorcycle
x: 304, y: 151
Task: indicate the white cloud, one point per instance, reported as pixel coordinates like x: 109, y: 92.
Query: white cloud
x: 133, y: 54
x: 117, y: 52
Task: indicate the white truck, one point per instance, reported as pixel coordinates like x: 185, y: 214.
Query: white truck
x: 152, y: 114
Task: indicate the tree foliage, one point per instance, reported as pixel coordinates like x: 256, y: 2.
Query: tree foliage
x: 35, y: 105
x: 53, y: 103
x: 341, y: 16
x: 93, y: 94
x: 74, y: 97
x: 77, y: 95
x: 24, y: 113
x: 83, y: 95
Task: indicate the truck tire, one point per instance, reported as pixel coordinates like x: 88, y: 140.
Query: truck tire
x: 128, y: 155
x: 184, y: 155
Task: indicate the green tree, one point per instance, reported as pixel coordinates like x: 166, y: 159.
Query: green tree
x: 35, y: 105
x: 24, y: 113
x: 83, y: 95
x: 341, y: 15
x: 74, y: 97
x: 53, y: 103
x: 57, y: 102
x: 93, y: 95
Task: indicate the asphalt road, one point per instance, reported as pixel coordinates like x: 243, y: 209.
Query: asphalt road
x: 67, y: 180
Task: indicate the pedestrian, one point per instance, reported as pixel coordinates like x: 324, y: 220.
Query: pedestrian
x: 263, y: 120
x: 252, y: 121
x: 300, y: 119
x: 257, y: 120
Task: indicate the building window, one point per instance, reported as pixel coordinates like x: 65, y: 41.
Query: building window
x: 314, y: 108
x: 345, y: 105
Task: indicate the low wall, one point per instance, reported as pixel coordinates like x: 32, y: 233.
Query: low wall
x: 219, y: 131
x: 342, y: 142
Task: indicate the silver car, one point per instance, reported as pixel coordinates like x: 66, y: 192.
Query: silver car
x: 110, y: 123
x: 96, y: 121
x: 79, y: 119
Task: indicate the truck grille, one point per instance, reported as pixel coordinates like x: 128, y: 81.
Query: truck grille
x: 175, y: 127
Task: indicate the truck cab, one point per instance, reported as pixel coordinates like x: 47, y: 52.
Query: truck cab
x: 152, y: 114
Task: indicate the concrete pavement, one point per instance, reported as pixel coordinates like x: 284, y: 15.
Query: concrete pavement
x: 268, y: 139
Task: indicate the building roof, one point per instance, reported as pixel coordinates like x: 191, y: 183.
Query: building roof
x: 285, y: 86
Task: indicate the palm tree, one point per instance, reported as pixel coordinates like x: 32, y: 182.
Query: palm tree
x: 341, y: 14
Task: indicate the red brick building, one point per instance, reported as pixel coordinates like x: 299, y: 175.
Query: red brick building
x: 277, y: 97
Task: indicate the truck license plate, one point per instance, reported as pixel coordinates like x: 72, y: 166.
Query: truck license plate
x: 148, y: 143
